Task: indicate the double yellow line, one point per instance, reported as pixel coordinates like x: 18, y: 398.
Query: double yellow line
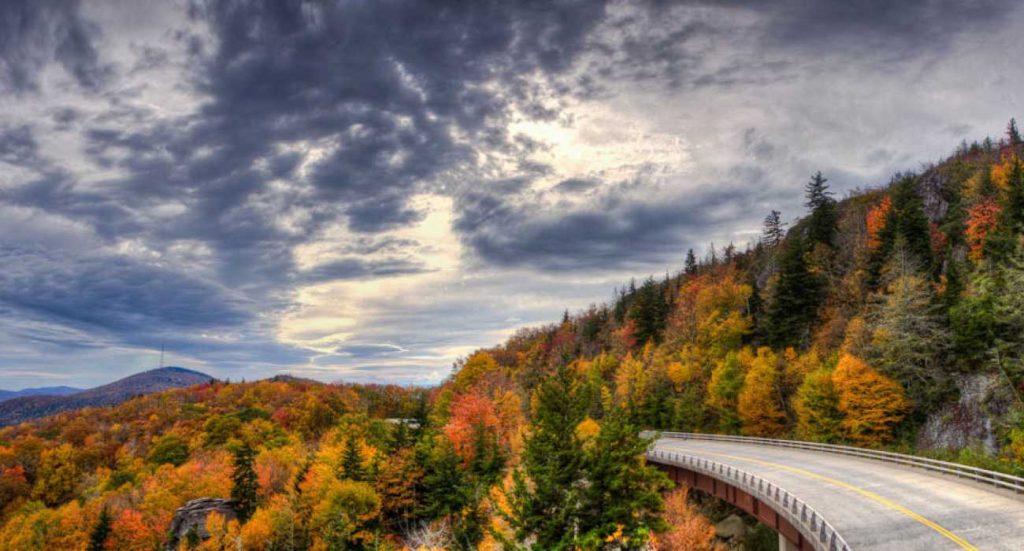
x: 964, y: 544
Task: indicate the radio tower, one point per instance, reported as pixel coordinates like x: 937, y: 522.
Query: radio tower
x: 161, y: 356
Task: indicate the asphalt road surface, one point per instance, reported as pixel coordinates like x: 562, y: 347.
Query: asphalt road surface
x: 875, y: 505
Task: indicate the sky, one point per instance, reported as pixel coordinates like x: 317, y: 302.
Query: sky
x: 367, y: 191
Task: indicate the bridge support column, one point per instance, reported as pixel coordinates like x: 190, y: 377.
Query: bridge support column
x: 786, y: 545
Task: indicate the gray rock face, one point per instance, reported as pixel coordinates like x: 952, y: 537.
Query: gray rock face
x: 967, y: 422
x: 193, y: 515
x: 731, y: 528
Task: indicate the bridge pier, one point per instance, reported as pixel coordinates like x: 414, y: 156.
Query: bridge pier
x: 790, y: 539
x: 786, y: 545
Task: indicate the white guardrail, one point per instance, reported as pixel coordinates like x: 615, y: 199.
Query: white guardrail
x: 992, y: 478
x: 815, y: 529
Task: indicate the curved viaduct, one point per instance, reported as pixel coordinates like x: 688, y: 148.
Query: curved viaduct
x: 821, y: 497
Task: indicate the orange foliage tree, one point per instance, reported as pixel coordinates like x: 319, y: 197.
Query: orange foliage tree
x: 689, y: 529
x: 982, y: 219
x: 871, y: 403
x: 472, y: 416
x: 876, y: 219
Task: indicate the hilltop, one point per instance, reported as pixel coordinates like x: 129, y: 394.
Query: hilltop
x: 23, y: 408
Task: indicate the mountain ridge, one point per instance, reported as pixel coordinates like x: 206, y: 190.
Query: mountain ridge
x: 24, y: 408
x: 39, y: 391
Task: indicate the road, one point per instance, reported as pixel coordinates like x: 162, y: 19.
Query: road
x: 875, y: 505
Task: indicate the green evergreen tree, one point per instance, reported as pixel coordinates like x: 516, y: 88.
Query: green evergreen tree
x: 1002, y: 243
x: 988, y: 323
x: 755, y: 308
x: 774, y: 230
x: 445, y: 487
x: 794, y: 304
x: 101, y: 532
x: 244, y: 483
x: 905, y: 221
x: 622, y: 491
x: 691, y: 262
x: 910, y: 333
x: 546, y: 499
x: 1012, y: 134
x: 352, y: 459
x: 649, y: 311
x: 955, y: 283
x: 1013, y: 210
x: 822, y: 224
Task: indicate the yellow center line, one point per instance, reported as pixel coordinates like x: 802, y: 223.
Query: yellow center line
x: 870, y: 495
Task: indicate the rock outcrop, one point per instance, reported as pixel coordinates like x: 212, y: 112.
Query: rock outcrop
x: 192, y: 517
x: 968, y: 422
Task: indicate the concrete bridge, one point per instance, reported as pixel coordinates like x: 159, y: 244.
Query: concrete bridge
x: 838, y: 498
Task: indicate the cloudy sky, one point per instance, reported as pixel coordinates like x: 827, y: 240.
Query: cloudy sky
x: 367, y: 190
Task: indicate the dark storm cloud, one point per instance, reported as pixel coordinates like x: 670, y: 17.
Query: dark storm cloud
x: 382, y: 88
x: 35, y: 33
x: 18, y: 146
x: 575, y: 185
x: 116, y: 294
x: 888, y: 30
x: 687, y: 44
x: 353, y: 268
x: 615, y: 230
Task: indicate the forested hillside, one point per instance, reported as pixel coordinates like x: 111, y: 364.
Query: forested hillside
x: 891, y: 317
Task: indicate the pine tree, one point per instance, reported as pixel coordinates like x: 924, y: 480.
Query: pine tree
x: 774, y: 229
x: 546, y: 500
x: 244, y: 483
x: 691, y: 262
x: 622, y: 494
x: 649, y: 312
x: 1012, y: 134
x: 954, y: 284
x: 352, y: 459
x: 1014, y: 207
x: 794, y: 304
x: 101, y: 532
x: 906, y: 222
x: 910, y: 339
x: 822, y: 224
x: 1001, y: 243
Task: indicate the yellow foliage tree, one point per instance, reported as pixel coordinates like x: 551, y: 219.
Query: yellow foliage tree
x: 630, y: 382
x: 759, y: 402
x: 476, y: 368
x: 817, y: 408
x: 857, y: 338
x: 723, y: 391
x: 871, y: 403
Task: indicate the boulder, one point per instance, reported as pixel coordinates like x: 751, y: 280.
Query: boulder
x: 192, y: 516
x: 732, y: 527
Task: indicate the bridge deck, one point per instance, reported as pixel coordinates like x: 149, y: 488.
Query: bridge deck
x: 876, y: 505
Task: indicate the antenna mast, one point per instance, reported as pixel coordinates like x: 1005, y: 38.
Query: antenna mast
x: 161, y: 355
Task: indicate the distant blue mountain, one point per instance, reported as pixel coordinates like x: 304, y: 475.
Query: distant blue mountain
x: 23, y: 408
x: 41, y: 391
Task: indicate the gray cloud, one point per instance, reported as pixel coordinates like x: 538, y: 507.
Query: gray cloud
x: 34, y: 34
